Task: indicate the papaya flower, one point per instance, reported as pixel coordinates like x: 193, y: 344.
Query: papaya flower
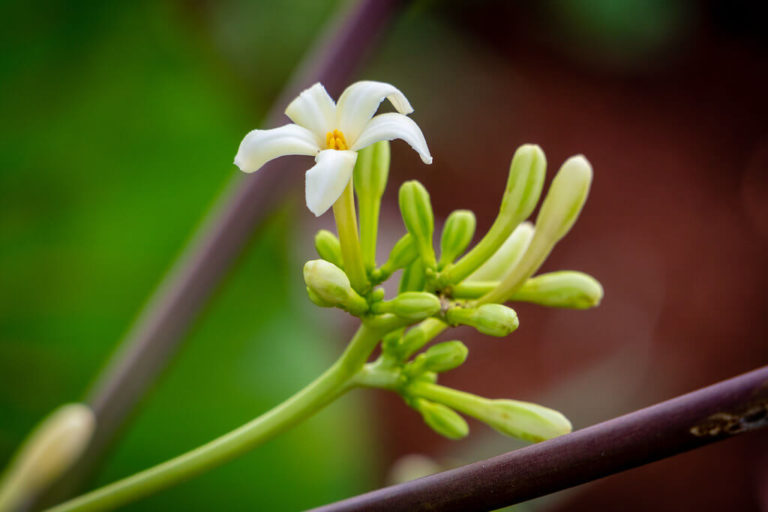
x: 333, y: 133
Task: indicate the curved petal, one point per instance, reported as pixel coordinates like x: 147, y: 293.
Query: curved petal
x: 261, y: 146
x: 327, y: 179
x: 359, y: 102
x: 315, y: 110
x: 394, y: 126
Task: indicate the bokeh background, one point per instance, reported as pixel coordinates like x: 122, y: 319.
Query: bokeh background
x: 119, y: 123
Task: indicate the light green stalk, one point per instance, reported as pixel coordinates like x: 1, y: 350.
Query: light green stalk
x: 334, y: 382
x: 346, y: 225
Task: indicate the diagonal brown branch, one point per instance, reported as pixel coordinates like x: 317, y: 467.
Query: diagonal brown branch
x: 684, y: 423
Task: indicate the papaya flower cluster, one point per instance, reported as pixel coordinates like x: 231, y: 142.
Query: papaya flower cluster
x: 441, y: 286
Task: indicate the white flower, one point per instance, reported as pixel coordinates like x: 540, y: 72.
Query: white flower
x: 333, y: 134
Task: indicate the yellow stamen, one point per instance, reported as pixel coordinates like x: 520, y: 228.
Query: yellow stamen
x: 336, y: 140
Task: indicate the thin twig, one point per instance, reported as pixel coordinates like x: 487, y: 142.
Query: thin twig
x: 156, y: 335
x: 690, y: 421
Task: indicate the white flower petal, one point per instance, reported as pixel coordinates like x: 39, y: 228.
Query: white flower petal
x: 315, y: 110
x: 359, y: 102
x: 328, y: 178
x: 261, y: 146
x: 394, y: 126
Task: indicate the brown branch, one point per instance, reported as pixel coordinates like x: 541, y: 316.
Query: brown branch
x: 155, y: 336
x: 690, y: 421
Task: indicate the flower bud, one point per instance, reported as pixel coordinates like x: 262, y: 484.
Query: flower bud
x: 372, y: 170
x: 370, y: 180
x: 558, y: 212
x: 525, y: 420
x: 526, y: 178
x: 329, y: 286
x: 445, y: 356
x: 328, y: 247
x: 457, y: 234
x: 443, y: 420
x: 53, y: 447
x: 507, y: 256
x: 402, y: 254
x: 491, y: 319
x: 410, y: 305
x: 564, y: 289
x: 416, y: 210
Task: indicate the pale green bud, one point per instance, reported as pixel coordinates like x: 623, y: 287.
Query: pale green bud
x: 416, y: 210
x: 507, y: 256
x: 329, y: 286
x: 524, y: 184
x: 457, y: 234
x: 564, y: 289
x: 559, y: 211
x: 52, y: 448
x: 328, y: 247
x: 410, y: 305
x: 491, y: 319
x: 402, y: 254
x: 445, y: 356
x: 443, y: 420
x: 525, y: 420
x: 371, y: 170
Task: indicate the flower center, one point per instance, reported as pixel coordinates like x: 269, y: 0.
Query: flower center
x: 336, y: 140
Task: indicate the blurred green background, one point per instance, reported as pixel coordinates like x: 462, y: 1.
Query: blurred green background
x: 120, y: 121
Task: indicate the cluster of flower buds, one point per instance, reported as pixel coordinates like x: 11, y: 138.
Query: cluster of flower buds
x: 457, y: 287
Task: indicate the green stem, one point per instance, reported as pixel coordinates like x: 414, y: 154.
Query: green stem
x: 346, y: 225
x: 369, y: 226
x: 490, y: 243
x: 334, y: 382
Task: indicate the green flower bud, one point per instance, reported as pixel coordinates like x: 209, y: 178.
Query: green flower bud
x: 564, y: 289
x: 507, y: 256
x: 491, y: 319
x: 370, y: 179
x: 445, y: 356
x: 416, y: 210
x: 457, y: 234
x: 526, y: 179
x: 52, y: 448
x: 443, y: 420
x: 329, y: 286
x: 559, y: 211
x: 524, y: 420
x: 410, y: 305
x: 402, y: 254
x: 328, y: 247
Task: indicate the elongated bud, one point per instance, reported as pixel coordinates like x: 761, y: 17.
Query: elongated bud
x: 372, y: 170
x: 564, y: 289
x: 457, y: 234
x: 402, y: 254
x: 443, y: 420
x: 329, y: 286
x: 53, y: 447
x: 524, y: 184
x: 410, y: 305
x: 328, y: 247
x: 370, y: 179
x: 507, y: 256
x: 491, y: 319
x: 525, y: 420
x: 416, y: 210
x: 445, y: 356
x: 559, y: 211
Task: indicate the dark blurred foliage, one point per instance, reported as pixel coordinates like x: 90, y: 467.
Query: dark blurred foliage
x: 119, y: 123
